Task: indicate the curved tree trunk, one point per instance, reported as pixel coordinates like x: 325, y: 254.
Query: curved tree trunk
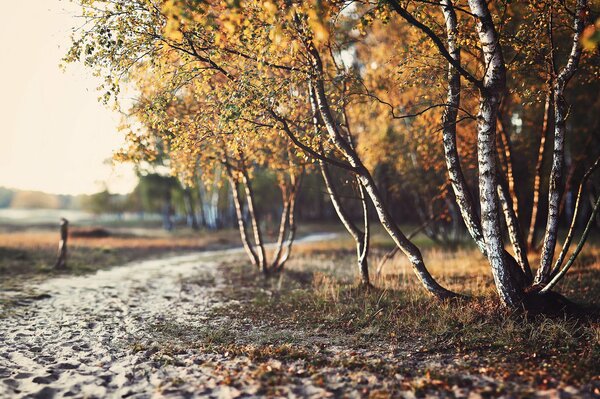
x: 361, y: 238
x: 455, y: 173
x: 580, y: 245
x: 556, y: 173
x: 291, y: 234
x: 406, y: 246
x: 258, y: 240
x: 358, y: 236
x: 240, y: 217
x: 283, y: 225
x: 514, y: 230
x: 569, y: 238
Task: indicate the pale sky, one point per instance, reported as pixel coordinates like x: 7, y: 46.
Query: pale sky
x: 54, y: 134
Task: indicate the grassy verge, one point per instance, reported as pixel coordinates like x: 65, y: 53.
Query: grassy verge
x: 316, y: 314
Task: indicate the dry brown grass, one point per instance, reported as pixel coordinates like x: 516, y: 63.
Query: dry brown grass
x: 32, y: 253
x: 320, y: 289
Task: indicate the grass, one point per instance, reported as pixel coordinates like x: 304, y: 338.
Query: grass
x: 318, y: 298
x: 316, y: 314
x: 30, y: 254
x: 30, y: 251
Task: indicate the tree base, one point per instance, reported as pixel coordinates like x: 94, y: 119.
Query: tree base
x: 548, y: 303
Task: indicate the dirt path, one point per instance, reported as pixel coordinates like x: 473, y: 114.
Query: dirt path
x: 77, y: 337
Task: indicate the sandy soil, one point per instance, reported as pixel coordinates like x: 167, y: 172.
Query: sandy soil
x: 75, y: 338
x: 82, y: 336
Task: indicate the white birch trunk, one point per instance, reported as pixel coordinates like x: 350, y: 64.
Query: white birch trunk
x: 240, y: 217
x: 258, y: 240
x: 364, y: 176
x: 556, y: 173
x: 455, y: 173
x: 493, y: 86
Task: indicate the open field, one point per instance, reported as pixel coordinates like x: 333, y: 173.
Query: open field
x: 31, y: 253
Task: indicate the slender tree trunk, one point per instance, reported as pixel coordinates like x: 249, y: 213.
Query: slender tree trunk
x: 569, y: 238
x: 537, y: 180
x: 394, y: 251
x: 283, y: 225
x: 240, y: 217
x: 506, y: 144
x: 410, y: 250
x: 189, y: 207
x: 361, y: 238
x: 214, y: 199
x: 556, y: 173
x: 514, y: 231
x: 258, y: 240
x: 296, y: 183
x: 580, y: 245
x: 494, y: 81
x: 363, y: 250
x: 455, y: 173
x: 201, y: 196
x: 565, y: 198
x: 357, y: 235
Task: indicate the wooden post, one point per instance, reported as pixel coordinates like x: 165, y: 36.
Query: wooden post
x: 61, y: 262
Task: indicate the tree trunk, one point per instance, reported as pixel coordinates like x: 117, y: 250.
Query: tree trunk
x: 494, y: 81
x: 240, y: 217
x: 455, y: 173
x: 361, y: 239
x: 201, y: 196
x: 283, y: 225
x: 514, y: 230
x: 537, y: 180
x: 506, y: 144
x: 580, y: 245
x: 556, y: 173
x: 258, y: 240
x: 569, y: 238
x: 189, y: 207
x: 364, y: 176
x: 357, y: 235
x: 296, y: 183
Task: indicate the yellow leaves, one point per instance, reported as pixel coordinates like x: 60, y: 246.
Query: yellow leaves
x: 590, y: 39
x: 318, y: 26
x: 276, y: 36
x: 171, y: 9
x: 232, y: 20
x: 270, y: 8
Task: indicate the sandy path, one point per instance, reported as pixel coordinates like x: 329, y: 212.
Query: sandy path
x: 78, y: 341
x: 77, y: 338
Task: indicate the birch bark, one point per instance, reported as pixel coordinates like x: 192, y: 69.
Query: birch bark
x: 494, y: 82
x: 240, y: 217
x: 455, y: 173
x: 406, y: 246
x: 556, y: 173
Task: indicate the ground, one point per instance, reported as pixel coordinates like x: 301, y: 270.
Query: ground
x: 206, y: 324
